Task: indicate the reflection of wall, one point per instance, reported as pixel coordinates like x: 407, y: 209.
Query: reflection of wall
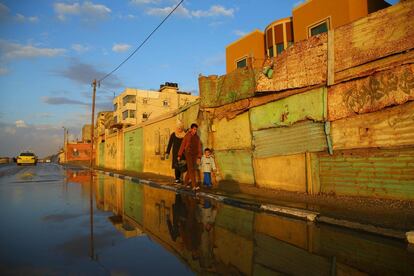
x: 134, y: 201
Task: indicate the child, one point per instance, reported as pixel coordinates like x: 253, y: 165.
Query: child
x: 207, y: 166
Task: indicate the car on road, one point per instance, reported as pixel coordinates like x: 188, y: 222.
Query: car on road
x: 28, y: 158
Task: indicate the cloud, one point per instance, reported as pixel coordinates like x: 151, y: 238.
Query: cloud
x: 4, y: 11
x: 3, y: 71
x: 9, y: 50
x: 144, y: 2
x: 20, y: 124
x: 240, y: 33
x: 214, y: 11
x: 297, y: 3
x: 61, y: 101
x: 119, y: 48
x: 80, y: 48
x: 87, y: 10
x: 22, y: 19
x: 42, y: 139
x: 84, y: 73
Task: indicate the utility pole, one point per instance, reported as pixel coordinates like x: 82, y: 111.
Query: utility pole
x: 93, y: 122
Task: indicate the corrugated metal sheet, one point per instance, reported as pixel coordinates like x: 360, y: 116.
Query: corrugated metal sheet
x: 386, y: 128
x: 233, y: 134
x: 216, y: 91
x: 281, y: 172
x: 235, y: 165
x: 285, y: 112
x: 134, y: 201
x: 134, y: 152
x: 374, y: 172
x: 306, y: 136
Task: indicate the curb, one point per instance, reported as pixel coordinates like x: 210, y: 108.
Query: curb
x: 302, y: 214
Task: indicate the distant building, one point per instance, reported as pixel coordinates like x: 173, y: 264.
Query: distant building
x: 104, y: 120
x: 309, y: 18
x: 86, y: 133
x: 134, y: 106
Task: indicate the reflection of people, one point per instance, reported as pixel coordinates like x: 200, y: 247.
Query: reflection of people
x: 208, y: 214
x: 207, y: 166
x: 179, y: 215
x: 175, y: 142
x: 191, y: 147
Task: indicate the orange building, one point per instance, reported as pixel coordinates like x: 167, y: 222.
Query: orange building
x: 318, y: 16
x: 246, y: 50
x: 310, y: 18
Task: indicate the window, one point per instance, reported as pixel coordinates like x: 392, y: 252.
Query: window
x: 145, y: 100
x: 241, y: 63
x: 320, y: 28
x: 115, y: 119
x: 115, y: 107
x: 128, y: 99
x: 279, y: 48
x: 270, y: 52
x: 124, y: 114
x: 165, y: 103
x: 132, y: 114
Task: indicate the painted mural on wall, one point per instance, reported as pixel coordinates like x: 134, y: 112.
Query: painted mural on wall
x: 372, y: 93
x: 78, y: 152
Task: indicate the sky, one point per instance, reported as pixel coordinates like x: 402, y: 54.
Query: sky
x: 50, y: 52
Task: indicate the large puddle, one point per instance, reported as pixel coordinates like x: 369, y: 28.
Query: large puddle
x: 135, y: 229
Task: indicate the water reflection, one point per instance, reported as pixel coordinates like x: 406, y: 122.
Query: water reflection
x: 211, y: 237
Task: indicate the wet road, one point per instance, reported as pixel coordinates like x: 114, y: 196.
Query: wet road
x: 141, y: 230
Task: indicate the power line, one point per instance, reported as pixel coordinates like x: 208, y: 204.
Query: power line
x: 142, y: 44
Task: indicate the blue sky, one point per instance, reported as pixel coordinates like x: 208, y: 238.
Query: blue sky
x: 50, y: 51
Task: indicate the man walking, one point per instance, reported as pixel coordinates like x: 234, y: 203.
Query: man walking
x: 191, y: 147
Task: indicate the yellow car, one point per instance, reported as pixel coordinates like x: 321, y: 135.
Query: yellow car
x: 26, y: 158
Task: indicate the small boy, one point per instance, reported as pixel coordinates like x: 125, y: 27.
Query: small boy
x: 207, y: 166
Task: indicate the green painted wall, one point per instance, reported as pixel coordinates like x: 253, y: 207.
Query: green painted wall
x: 134, y: 152
x: 101, y: 155
x: 371, y: 172
x: 134, y: 201
x: 235, y: 165
x: 309, y: 105
x: 216, y: 91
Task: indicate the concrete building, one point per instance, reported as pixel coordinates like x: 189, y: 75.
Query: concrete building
x: 134, y: 106
x: 86, y: 133
x: 309, y: 18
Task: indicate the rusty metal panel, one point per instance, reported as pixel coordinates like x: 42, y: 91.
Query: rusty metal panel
x: 307, y: 136
x: 235, y: 165
x: 378, y: 35
x: 309, y: 105
x: 386, y: 128
x: 372, y: 93
x: 369, y: 172
x: 301, y: 65
x: 286, y: 173
x: 232, y: 134
x: 134, y: 152
x: 216, y: 91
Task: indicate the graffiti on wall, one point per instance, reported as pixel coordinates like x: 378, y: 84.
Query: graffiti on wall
x: 372, y: 93
x: 111, y: 150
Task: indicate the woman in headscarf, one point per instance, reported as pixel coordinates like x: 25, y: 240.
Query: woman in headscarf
x: 175, y: 142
